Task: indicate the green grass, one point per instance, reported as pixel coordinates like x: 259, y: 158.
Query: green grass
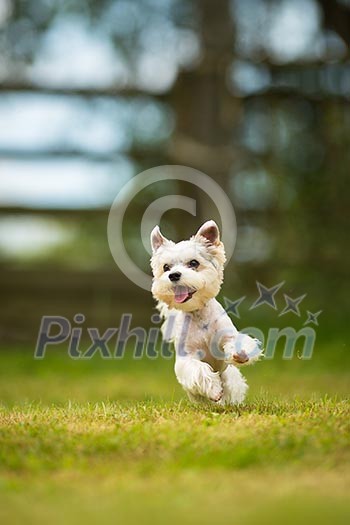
x: 117, y: 441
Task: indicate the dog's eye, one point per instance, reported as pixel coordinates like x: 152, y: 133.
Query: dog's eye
x: 166, y: 268
x: 193, y: 263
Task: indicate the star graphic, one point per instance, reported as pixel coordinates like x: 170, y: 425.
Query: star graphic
x: 312, y: 318
x: 231, y: 307
x: 292, y: 305
x: 266, y: 295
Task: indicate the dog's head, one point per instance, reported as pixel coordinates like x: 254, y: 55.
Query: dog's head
x: 188, y: 273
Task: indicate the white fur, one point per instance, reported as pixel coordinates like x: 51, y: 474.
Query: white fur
x: 208, y: 346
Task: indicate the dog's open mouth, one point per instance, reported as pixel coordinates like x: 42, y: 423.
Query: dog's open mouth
x: 183, y: 294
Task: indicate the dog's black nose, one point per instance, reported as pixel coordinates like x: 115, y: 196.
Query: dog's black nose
x: 175, y: 276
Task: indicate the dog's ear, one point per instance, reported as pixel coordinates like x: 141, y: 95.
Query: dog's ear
x: 157, y: 239
x: 210, y: 231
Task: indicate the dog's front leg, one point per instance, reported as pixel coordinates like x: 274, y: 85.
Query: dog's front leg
x: 242, y: 350
x: 238, y: 348
x: 198, y: 378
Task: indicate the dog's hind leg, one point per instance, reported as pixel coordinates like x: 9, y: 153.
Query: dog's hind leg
x: 198, y: 378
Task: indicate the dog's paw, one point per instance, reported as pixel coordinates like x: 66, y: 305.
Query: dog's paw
x: 243, y: 351
x: 240, y: 357
x: 236, y: 357
x: 215, y: 393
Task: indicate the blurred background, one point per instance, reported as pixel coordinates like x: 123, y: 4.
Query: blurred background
x: 254, y: 93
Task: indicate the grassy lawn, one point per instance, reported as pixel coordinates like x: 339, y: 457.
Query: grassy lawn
x: 116, y: 441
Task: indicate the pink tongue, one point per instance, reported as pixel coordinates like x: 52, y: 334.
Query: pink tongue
x: 181, y: 294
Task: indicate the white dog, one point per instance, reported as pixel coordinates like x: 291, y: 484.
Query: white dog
x: 187, y: 278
